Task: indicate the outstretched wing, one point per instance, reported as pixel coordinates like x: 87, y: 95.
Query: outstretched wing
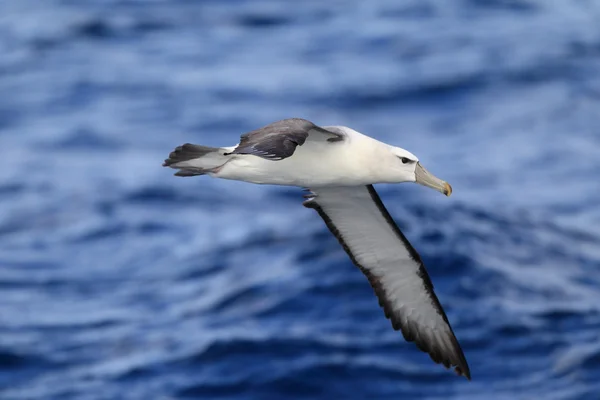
x: 279, y: 140
x: 358, y: 219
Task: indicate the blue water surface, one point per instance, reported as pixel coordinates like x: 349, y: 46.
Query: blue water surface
x: 120, y: 281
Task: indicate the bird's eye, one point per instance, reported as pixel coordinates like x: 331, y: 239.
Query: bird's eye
x: 405, y: 160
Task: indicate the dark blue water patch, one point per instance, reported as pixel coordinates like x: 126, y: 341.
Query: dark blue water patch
x: 241, y: 299
x: 568, y: 320
x: 80, y: 94
x: 485, y: 281
x: 512, y: 329
x: 106, y: 208
x: 574, y: 234
x: 281, y: 348
x: 95, y: 29
x: 12, y: 188
x: 319, y: 380
x: 434, y: 237
x: 589, y: 279
x: 543, y: 347
x: 315, y: 249
x: 591, y: 361
x: 517, y: 7
x: 238, y: 95
x: 587, y: 394
x: 151, y: 228
x: 584, y: 49
x: 103, y: 232
x: 237, y: 388
x: 448, y: 91
x: 83, y: 139
x: 28, y: 263
x: 197, y: 271
x: 23, y: 280
x: 9, y: 116
x: 9, y: 360
x: 551, y: 70
x: 46, y: 44
x: 451, y: 92
x: 289, y: 307
x: 16, y: 368
x: 63, y: 328
x: 294, y: 351
x: 263, y: 241
x: 448, y: 265
x: 364, y: 381
x: 149, y: 25
x: 255, y: 19
x: 344, y: 283
x: 99, y: 28
x: 162, y: 195
x: 156, y: 194
x: 412, y: 11
x: 262, y: 20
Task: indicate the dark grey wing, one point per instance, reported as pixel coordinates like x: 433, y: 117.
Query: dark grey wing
x: 358, y: 219
x: 279, y: 140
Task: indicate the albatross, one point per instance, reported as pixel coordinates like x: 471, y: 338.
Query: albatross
x: 338, y: 166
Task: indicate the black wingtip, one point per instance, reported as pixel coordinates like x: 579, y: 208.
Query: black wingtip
x: 463, y: 372
x: 188, y: 151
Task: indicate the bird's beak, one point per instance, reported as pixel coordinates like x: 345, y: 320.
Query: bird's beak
x: 425, y: 178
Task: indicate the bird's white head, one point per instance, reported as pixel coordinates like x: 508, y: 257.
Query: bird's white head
x: 405, y: 167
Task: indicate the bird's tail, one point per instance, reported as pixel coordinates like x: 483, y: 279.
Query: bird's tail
x: 194, y: 159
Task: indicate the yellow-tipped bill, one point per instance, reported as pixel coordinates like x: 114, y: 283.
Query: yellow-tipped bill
x: 425, y: 178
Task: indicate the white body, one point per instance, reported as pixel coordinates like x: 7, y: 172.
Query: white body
x: 317, y: 163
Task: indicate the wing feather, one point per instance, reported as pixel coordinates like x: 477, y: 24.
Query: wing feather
x: 359, y: 220
x: 279, y: 140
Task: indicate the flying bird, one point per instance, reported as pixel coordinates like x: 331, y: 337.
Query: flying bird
x: 338, y: 166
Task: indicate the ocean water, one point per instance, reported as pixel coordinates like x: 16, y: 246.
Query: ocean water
x: 120, y: 281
